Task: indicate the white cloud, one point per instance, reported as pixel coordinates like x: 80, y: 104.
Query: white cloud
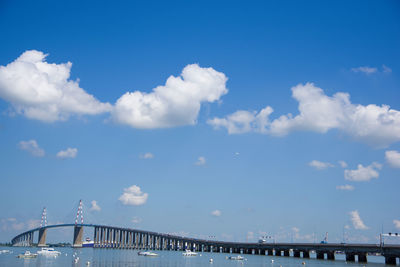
x: 216, y: 213
x: 201, y: 161
x: 386, y: 69
x: 393, y: 158
x: 319, y: 165
x: 32, y: 147
x: 365, y: 69
x: 133, y: 196
x: 347, y: 227
x: 243, y: 121
x: 147, y: 155
x: 68, y: 153
x: 376, y: 125
x: 176, y: 103
x: 42, y: 91
x: 346, y: 187
x: 95, y: 206
x: 136, y: 220
x: 342, y: 164
x: 397, y: 223
x: 356, y: 220
x: 250, y: 235
x: 362, y: 173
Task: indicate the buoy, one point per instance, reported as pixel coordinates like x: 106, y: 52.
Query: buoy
x: 88, y: 263
x: 272, y: 261
x: 211, y: 260
x: 303, y: 263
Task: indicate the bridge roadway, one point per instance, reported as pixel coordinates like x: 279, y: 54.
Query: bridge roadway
x: 127, y: 238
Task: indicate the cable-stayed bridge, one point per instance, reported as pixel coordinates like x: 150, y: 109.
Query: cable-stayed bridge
x: 111, y: 237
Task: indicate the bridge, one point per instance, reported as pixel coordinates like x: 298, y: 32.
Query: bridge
x: 127, y: 238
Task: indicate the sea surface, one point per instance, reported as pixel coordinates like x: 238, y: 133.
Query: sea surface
x: 125, y: 257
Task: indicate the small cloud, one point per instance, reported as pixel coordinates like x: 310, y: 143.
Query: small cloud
x: 295, y: 229
x: 356, y: 220
x: 250, y: 235
x: 147, y: 155
x: 362, y: 173
x: 386, y: 69
x: 393, y: 158
x: 365, y: 69
x: 201, y: 161
x: 342, y: 164
x: 237, y: 153
x: 396, y: 223
x: 319, y: 165
x: 133, y: 196
x: 347, y: 226
x: 95, y: 206
x: 216, y: 213
x: 68, y: 153
x: 136, y: 220
x: 32, y: 147
x: 346, y: 187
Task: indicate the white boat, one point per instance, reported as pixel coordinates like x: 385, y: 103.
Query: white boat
x: 48, y: 252
x: 88, y: 243
x: 147, y: 253
x: 4, y: 251
x: 188, y: 252
x: 27, y: 255
x: 237, y: 258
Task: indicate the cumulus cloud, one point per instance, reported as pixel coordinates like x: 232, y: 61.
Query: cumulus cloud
x: 133, y: 196
x: 43, y: 91
x: 68, y: 153
x: 376, y: 125
x: 32, y: 147
x: 201, y: 161
x: 176, y: 103
x: 356, y: 220
x: 342, y: 164
x: 94, y: 206
x: 345, y: 187
x: 147, y: 155
x: 393, y: 158
x: 396, y: 223
x: 216, y: 213
x: 319, y: 165
x: 362, y: 173
x: 136, y: 220
x: 365, y: 69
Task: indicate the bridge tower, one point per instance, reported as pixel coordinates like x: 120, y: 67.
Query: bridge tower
x: 78, y: 228
x: 43, y: 229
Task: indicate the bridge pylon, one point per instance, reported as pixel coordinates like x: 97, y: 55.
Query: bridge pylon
x: 78, y: 229
x: 43, y: 230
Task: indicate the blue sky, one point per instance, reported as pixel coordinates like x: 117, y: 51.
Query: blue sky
x: 225, y: 119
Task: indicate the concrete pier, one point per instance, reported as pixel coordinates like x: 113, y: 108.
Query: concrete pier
x: 78, y: 234
x: 42, y: 237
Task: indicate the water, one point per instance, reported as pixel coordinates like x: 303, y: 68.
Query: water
x: 119, y: 258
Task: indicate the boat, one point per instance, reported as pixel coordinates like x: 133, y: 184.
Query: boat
x: 188, y: 252
x: 48, y: 252
x: 88, y: 243
x: 4, y: 251
x: 237, y: 258
x: 27, y: 255
x: 147, y: 253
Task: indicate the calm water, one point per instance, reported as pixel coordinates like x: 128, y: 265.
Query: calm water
x: 117, y: 258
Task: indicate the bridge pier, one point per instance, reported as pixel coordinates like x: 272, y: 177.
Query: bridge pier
x: 362, y: 257
x: 330, y: 255
x: 78, y: 234
x: 286, y: 253
x: 390, y: 260
x: 350, y: 257
x: 320, y: 255
x: 42, y: 237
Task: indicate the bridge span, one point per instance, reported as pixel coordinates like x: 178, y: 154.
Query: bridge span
x: 128, y: 238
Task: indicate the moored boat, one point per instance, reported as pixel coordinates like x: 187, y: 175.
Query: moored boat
x: 48, y: 252
x: 27, y: 255
x: 188, y: 252
x: 147, y: 253
x: 237, y: 258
